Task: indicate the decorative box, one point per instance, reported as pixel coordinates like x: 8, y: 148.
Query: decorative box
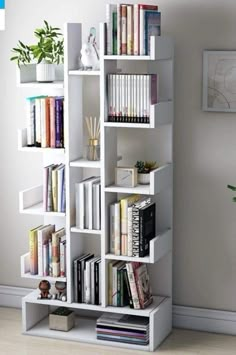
x: 62, y: 319
x: 126, y: 177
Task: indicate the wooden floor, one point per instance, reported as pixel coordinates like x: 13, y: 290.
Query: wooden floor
x: 181, y: 342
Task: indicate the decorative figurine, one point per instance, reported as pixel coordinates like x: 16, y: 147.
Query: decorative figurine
x: 44, y: 287
x: 89, y: 52
x: 61, y: 294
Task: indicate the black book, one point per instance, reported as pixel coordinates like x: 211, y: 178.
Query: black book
x: 147, y: 228
x: 81, y: 263
x: 97, y: 265
x: 131, y: 304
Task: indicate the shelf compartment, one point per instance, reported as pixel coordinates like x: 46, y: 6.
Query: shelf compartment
x: 84, y: 163
x: 85, y: 231
x: 160, y: 114
x: 26, y: 77
x: 22, y: 145
x: 84, y: 72
x: 159, y: 246
x: 160, y: 179
x: 31, y: 202
x: 25, y: 271
x: 161, y: 48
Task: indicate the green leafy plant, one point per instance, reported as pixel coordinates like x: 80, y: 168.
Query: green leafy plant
x: 145, y: 167
x: 49, y: 48
x: 233, y: 188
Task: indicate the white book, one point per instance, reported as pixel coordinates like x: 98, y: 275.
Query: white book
x: 43, y: 122
x: 87, y: 280
x: 118, y: 29
x: 97, y: 205
x: 120, y: 95
x: 89, y: 201
x: 117, y: 229
x: 117, y: 95
x: 122, y: 78
x: 112, y: 228
x: 38, y: 121
x: 60, y: 178
x: 30, y: 112
x: 44, y: 234
x: 110, y: 104
x: 138, y: 95
x: 130, y: 231
x: 62, y: 258
x: 145, y: 96
x: 130, y: 29
x: 80, y: 204
x: 110, y: 8
x: 45, y: 259
x: 49, y: 188
x: 141, y: 31
x: 114, y: 93
x: 141, y: 95
x: 135, y: 96
x: 148, y: 95
x: 128, y: 95
x: 136, y: 29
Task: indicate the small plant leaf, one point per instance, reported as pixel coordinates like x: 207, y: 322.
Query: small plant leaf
x: 231, y: 187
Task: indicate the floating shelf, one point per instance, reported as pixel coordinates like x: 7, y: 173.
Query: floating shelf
x: 22, y: 145
x: 85, y: 72
x: 85, y: 231
x: 26, y: 77
x: 159, y: 246
x: 31, y: 202
x: 161, y: 48
x: 84, y: 163
x: 25, y: 271
x: 160, y: 179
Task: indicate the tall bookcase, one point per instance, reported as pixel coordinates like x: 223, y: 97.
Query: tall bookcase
x: 121, y: 144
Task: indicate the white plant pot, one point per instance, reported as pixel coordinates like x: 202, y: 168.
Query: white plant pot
x: 45, y: 72
x: 144, y: 179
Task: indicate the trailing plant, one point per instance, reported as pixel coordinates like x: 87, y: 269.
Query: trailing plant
x: 233, y: 188
x: 49, y: 48
x: 145, y: 167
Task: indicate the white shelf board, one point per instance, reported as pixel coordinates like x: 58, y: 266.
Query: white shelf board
x: 144, y: 259
x: 127, y: 57
x: 37, y: 209
x: 85, y: 231
x: 37, y: 85
x: 38, y: 277
x: 126, y: 125
x: 42, y: 150
x: 85, y: 72
x: 139, y: 189
x: 84, y: 331
x: 84, y: 163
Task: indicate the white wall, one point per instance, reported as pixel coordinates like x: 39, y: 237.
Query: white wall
x: 204, y: 149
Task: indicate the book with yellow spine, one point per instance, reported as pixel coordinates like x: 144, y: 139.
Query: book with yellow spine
x: 33, y: 250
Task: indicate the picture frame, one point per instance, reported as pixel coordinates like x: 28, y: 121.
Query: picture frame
x: 126, y: 176
x: 219, y: 81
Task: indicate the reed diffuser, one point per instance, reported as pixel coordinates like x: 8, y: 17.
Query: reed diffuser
x: 93, y: 148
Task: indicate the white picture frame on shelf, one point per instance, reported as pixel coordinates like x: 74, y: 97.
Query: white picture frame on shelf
x: 219, y: 81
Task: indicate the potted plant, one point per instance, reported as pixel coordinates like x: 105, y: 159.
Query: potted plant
x: 144, y: 169
x: 47, y: 52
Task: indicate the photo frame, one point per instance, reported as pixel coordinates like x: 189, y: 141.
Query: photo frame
x: 219, y: 81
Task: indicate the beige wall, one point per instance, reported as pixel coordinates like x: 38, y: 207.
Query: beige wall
x: 204, y: 148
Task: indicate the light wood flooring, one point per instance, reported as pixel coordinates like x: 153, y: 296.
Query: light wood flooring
x: 180, y: 342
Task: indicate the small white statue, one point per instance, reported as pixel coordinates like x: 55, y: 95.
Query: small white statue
x: 89, y: 53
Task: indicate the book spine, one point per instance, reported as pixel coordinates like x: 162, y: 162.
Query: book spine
x: 118, y: 29
x: 47, y: 122
x: 130, y: 299
x: 30, y: 113
x: 99, y: 283
x: 123, y: 29
x: 45, y: 188
x: 52, y: 123
x: 114, y: 286
x: 136, y: 29
x: 49, y: 190
x: 38, y: 122
x: 87, y: 280
x: 118, y: 288
x: 55, y: 255
x: 40, y: 254
x: 45, y: 259
x: 110, y: 276
x: 61, y: 123
x: 141, y: 98
x: 123, y: 220
x: 54, y: 190
x: 148, y: 98
x: 145, y: 98
x: 114, y: 33
x: 43, y: 122
x: 112, y: 229
x: 117, y: 229
x: 33, y: 250
x: 75, y: 281
x: 109, y: 28
x: 114, y: 96
x: 96, y: 277
x: 93, y: 283
x: 128, y: 97
x: 133, y: 287
x: 135, y: 222
x: 109, y: 99
x: 154, y: 88
x: 59, y: 188
x: 63, y: 198
x: 50, y: 257
x: 62, y: 259
x: 138, y: 98
x: 79, y: 283
x: 135, y: 97
x: 141, y: 31
x: 130, y: 231
x: 122, y: 288
x: 57, y: 122
x: 130, y: 32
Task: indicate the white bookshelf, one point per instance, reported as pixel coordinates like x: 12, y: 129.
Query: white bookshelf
x: 117, y: 142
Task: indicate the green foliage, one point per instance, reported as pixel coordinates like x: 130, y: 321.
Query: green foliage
x: 49, y: 48
x: 233, y: 188
x: 145, y: 167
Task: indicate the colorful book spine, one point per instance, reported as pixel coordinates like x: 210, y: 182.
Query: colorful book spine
x: 119, y: 29
x: 142, y: 9
x: 52, y: 123
x: 133, y: 288
x: 59, y: 121
x: 33, y: 251
x: 62, y: 258
x: 45, y: 259
x: 130, y: 33
x: 50, y: 257
x: 117, y: 229
x: 123, y: 29
x: 47, y: 122
x: 114, y: 33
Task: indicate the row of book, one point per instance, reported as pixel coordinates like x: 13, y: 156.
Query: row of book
x: 47, y: 248
x: 87, y: 279
x: 123, y: 328
x: 129, y: 28
x: 45, y: 121
x: 54, y: 199
x: 129, y: 285
x: 132, y: 226
x: 88, y: 203
x: 130, y: 97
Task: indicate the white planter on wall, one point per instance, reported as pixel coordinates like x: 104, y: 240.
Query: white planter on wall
x: 45, y: 72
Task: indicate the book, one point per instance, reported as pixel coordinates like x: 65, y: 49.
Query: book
x: 147, y: 224
x: 123, y: 29
x: 52, y: 123
x: 59, y: 142
x: 30, y: 118
x: 44, y: 234
x: 97, y: 279
x: 96, y: 205
x: 130, y: 267
x: 88, y: 185
x: 130, y: 30
x: 112, y: 229
x: 56, y: 236
x: 62, y: 257
x: 126, y: 281
x: 60, y: 186
x: 33, y: 250
x: 45, y: 259
x: 117, y: 228
x: 114, y: 33
x: 110, y: 11
x: 152, y: 23
x: 135, y: 224
x: 142, y: 8
x: 143, y: 285
x: 118, y: 29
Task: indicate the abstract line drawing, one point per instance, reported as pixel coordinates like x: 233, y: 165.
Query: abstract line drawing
x: 219, y: 81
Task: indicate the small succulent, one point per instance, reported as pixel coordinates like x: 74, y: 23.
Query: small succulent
x: 145, y: 167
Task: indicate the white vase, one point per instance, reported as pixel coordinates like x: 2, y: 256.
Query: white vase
x: 144, y: 179
x: 45, y: 72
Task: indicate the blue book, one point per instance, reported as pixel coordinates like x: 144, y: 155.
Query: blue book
x: 152, y: 20
x: 59, y: 122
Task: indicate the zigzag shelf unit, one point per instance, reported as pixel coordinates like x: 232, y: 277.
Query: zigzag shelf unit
x: 121, y: 145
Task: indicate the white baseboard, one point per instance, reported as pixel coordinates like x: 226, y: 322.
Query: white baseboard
x: 12, y: 296
x: 207, y: 320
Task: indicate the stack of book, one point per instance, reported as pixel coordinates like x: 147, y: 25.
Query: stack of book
x: 45, y: 121
x: 130, y: 97
x: 129, y: 284
x: 54, y: 199
x: 87, y: 279
x: 123, y: 328
x: 132, y: 226
x: 129, y: 28
x: 47, y: 248
x: 88, y: 203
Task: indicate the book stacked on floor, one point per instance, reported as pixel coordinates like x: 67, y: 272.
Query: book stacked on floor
x: 132, y: 226
x: 130, y: 97
x: 129, y: 285
x: 88, y: 203
x: 123, y: 328
x: 47, y: 248
x: 54, y: 199
x: 87, y: 279
x: 45, y: 121
x: 129, y: 28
